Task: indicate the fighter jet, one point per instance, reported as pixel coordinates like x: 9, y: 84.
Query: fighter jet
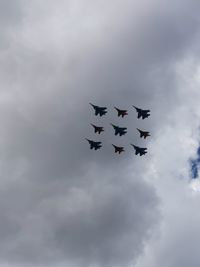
x: 139, y: 150
x: 119, y: 130
x: 93, y: 144
x: 142, y: 113
x: 97, y: 129
x: 121, y: 112
x: 118, y: 149
x: 143, y: 133
x: 99, y: 110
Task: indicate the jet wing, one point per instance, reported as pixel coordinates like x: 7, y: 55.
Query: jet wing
x: 122, y: 133
x: 138, y: 109
x: 102, y: 113
x: 97, y: 147
x: 93, y: 105
x: 142, y: 153
x: 145, y: 116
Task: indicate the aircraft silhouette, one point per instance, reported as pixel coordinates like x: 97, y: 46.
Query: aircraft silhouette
x: 118, y: 149
x: 143, y: 133
x: 93, y: 144
x: 139, y: 150
x: 99, y: 110
x: 142, y: 113
x: 121, y: 112
x: 119, y: 130
x: 97, y: 129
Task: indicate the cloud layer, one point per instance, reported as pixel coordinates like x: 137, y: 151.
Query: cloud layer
x: 62, y: 204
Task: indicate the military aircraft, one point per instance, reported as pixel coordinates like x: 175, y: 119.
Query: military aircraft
x: 121, y: 112
x: 142, y: 113
x: 119, y: 130
x: 97, y: 129
x: 143, y: 133
x: 93, y: 144
x: 118, y: 149
x: 99, y: 110
x: 139, y: 150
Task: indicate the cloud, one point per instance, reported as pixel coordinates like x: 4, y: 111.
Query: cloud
x: 61, y: 203
x: 175, y: 241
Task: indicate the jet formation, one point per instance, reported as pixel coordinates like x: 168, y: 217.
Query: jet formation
x: 101, y: 111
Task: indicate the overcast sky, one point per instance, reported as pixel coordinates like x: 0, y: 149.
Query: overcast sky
x: 64, y: 205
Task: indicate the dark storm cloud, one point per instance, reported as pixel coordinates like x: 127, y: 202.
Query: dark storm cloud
x: 61, y: 202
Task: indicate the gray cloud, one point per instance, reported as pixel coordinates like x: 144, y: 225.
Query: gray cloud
x: 60, y: 202
x: 11, y: 15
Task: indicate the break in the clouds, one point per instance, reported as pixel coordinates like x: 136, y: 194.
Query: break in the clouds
x: 194, y: 163
x: 62, y: 204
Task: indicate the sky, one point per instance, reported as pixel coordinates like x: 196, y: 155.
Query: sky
x: 62, y: 204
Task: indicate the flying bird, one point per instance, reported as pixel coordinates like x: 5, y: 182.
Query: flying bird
x: 144, y: 134
x: 99, y: 110
x: 142, y: 113
x: 97, y: 129
x: 139, y: 150
x: 93, y: 144
x: 118, y: 149
x: 121, y: 112
x: 119, y: 130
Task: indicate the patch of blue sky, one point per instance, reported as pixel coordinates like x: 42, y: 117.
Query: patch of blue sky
x: 195, y: 165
